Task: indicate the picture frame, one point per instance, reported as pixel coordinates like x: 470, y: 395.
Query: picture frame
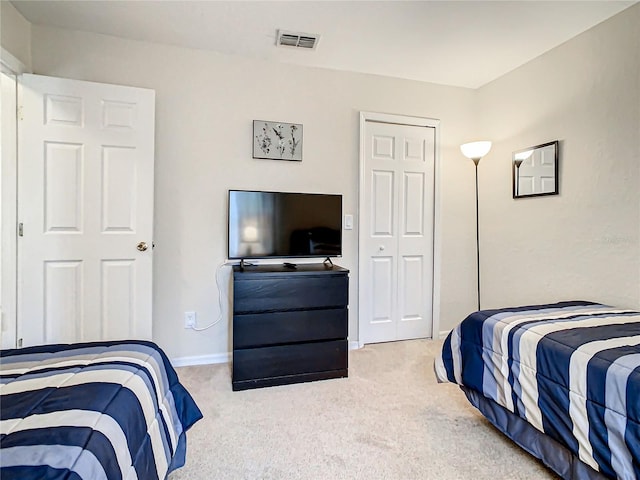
x: 535, y: 170
x: 277, y: 140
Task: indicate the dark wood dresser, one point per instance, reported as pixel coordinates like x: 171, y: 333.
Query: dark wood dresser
x: 289, y: 325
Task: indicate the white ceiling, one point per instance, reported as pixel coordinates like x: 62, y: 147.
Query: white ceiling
x: 461, y: 43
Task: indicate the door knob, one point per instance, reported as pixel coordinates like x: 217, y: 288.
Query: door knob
x: 142, y: 246
x: 381, y: 247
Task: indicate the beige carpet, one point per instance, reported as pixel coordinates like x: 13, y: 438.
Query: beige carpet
x: 388, y: 420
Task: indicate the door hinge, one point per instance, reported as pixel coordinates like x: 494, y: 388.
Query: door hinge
x: 20, y: 230
x: 19, y: 343
x: 20, y: 113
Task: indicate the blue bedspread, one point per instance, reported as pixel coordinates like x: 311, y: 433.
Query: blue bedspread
x: 571, y: 370
x: 108, y: 410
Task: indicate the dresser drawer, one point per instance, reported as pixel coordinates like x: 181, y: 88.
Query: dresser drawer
x: 287, y: 360
x: 290, y: 293
x: 261, y: 329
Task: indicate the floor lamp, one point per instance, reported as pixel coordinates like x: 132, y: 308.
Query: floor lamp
x: 475, y: 151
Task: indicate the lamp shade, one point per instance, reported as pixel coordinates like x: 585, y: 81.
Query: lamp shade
x: 475, y: 150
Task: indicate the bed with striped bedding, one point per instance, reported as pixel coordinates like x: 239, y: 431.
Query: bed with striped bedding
x: 562, y: 380
x: 106, y: 410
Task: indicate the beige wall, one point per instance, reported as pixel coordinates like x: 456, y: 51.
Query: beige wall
x: 205, y: 104
x: 15, y: 33
x: 583, y: 243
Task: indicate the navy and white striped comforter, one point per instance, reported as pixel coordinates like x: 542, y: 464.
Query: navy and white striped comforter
x: 571, y: 369
x: 108, y: 410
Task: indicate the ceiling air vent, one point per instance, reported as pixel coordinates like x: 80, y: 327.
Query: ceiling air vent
x: 300, y: 40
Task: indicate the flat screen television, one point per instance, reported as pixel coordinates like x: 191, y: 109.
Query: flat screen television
x: 281, y: 224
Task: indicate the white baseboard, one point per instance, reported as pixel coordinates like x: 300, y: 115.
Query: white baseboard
x: 444, y: 333
x: 354, y: 345
x: 201, y: 360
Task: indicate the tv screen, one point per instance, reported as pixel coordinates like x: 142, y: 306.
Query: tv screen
x: 279, y: 224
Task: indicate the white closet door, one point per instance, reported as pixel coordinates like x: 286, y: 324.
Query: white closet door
x: 85, y: 202
x: 396, y: 232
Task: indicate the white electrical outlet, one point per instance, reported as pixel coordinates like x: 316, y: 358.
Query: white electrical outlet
x: 189, y: 319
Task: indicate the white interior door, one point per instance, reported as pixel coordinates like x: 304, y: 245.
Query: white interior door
x: 396, y: 232
x: 85, y: 203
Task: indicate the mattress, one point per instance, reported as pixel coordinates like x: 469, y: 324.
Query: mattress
x: 106, y: 410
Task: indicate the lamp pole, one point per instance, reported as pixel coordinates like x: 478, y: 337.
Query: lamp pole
x: 476, y: 161
x: 475, y: 151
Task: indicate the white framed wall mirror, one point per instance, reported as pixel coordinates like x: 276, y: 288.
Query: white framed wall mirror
x: 535, y: 170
